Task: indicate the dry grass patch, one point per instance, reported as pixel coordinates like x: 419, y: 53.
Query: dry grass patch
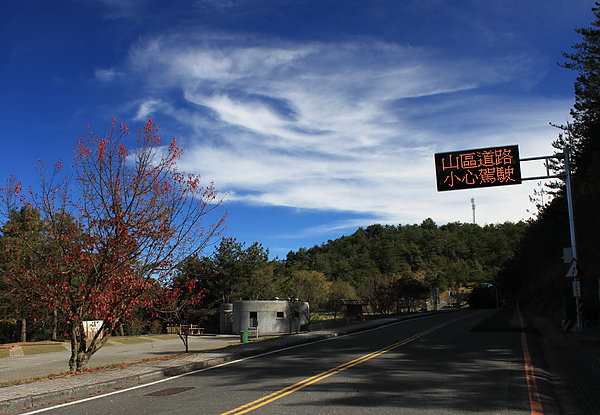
x: 42, y: 348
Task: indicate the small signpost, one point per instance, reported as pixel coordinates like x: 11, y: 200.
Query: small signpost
x: 574, y: 273
x: 91, y: 327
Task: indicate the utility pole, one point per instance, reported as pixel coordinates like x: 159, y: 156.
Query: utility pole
x: 473, y: 207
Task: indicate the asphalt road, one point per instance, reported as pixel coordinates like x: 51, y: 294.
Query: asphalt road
x: 463, y: 362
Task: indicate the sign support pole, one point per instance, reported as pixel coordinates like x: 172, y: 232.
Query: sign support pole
x: 570, y: 201
x: 571, y: 225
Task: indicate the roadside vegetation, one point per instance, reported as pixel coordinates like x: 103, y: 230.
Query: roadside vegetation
x: 535, y: 275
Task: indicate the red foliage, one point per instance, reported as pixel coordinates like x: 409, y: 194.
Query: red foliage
x: 106, y: 245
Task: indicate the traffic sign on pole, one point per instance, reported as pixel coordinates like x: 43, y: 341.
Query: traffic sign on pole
x: 575, y: 270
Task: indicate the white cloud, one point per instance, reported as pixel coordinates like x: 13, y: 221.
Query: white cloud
x: 346, y: 127
x: 105, y: 74
x: 146, y: 109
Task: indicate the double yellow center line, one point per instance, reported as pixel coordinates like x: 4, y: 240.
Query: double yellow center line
x: 251, y: 406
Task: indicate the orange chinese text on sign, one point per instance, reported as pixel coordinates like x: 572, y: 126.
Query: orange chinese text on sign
x: 484, y: 167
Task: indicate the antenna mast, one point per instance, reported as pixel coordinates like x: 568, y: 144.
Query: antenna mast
x: 473, y: 207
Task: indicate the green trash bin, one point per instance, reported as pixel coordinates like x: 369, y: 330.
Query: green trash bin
x: 244, y: 337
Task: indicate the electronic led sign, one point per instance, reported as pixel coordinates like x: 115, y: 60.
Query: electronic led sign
x: 485, y: 167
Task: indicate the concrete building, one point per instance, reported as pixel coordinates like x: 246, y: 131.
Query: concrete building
x: 268, y: 317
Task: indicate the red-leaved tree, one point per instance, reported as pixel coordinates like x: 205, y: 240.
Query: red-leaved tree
x: 177, y: 300
x: 116, y: 225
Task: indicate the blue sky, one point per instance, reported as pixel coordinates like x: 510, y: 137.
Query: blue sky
x: 312, y: 117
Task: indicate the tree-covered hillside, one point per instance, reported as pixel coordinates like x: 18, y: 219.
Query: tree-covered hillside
x: 446, y: 256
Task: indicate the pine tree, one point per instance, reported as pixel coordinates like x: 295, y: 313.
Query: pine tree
x: 582, y: 135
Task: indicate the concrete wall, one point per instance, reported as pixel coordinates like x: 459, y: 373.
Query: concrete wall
x: 273, y: 317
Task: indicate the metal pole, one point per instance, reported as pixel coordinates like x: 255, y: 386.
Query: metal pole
x: 571, y: 221
x: 570, y: 201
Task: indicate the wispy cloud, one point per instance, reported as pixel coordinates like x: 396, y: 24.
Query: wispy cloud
x: 346, y: 126
x: 105, y: 75
x: 146, y: 109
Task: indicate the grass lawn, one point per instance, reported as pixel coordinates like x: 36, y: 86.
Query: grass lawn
x: 128, y: 339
